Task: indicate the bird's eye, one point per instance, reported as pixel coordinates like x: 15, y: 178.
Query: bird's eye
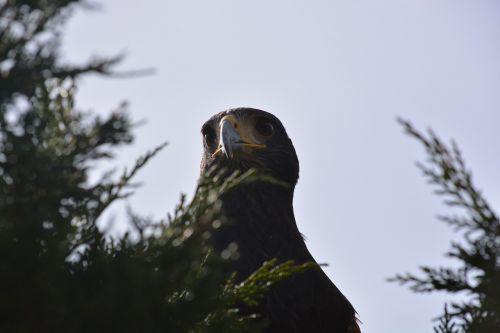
x: 209, y: 136
x: 264, y: 127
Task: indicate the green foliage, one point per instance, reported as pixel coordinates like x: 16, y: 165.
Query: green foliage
x: 58, y: 271
x: 477, y: 275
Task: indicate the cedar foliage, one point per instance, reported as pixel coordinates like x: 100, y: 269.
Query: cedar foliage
x: 477, y: 276
x: 58, y: 271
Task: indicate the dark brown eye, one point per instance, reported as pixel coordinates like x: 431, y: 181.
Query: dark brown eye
x: 209, y: 136
x: 264, y: 127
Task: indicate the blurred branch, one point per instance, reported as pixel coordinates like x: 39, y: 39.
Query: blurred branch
x: 479, y: 252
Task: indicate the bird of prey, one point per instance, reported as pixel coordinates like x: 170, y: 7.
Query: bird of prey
x: 263, y: 225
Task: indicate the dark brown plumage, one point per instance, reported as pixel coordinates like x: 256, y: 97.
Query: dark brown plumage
x: 263, y: 225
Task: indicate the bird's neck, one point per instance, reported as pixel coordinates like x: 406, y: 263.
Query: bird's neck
x: 261, y: 221
x: 266, y: 206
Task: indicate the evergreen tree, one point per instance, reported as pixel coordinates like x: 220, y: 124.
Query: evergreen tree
x: 58, y: 271
x: 478, y: 254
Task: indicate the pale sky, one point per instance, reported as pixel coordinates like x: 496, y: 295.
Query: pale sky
x: 337, y: 74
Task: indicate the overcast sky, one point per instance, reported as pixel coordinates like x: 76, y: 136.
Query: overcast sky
x: 337, y: 74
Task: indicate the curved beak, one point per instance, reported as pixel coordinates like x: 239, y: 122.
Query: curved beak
x: 235, y: 137
x: 230, y: 139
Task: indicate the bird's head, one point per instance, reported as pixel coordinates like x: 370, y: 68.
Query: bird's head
x: 245, y: 138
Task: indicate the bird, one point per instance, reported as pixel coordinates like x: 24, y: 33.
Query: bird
x: 262, y: 222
